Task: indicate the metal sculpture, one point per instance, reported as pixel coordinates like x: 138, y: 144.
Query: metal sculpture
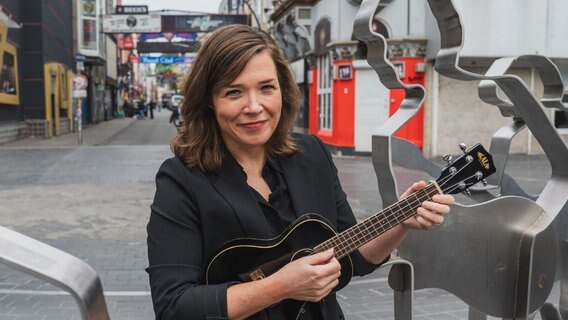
x: 512, y: 267
x: 554, y: 197
x: 56, y: 267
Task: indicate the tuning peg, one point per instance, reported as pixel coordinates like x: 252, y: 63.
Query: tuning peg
x: 484, y: 182
x: 463, y: 147
x: 447, y: 158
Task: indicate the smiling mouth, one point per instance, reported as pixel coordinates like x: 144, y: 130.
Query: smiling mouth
x: 254, y: 125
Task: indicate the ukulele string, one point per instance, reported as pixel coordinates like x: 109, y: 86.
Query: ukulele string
x: 382, y: 222
x: 387, y: 215
x: 451, y: 188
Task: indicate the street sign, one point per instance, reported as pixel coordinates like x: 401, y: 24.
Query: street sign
x: 131, y: 9
x: 399, y: 66
x: 167, y: 60
x: 80, y: 84
x: 80, y: 57
x: 128, y: 43
x: 80, y: 94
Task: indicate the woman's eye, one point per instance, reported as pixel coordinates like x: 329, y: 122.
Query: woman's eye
x: 232, y: 93
x: 268, y: 88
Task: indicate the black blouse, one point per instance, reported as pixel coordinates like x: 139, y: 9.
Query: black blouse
x: 278, y: 210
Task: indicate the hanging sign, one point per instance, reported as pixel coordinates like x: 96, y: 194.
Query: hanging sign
x: 80, y: 83
x: 121, y: 23
x: 131, y: 9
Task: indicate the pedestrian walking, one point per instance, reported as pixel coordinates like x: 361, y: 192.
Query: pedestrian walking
x: 152, y: 106
x: 174, y: 117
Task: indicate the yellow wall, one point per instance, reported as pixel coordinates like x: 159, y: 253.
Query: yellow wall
x: 62, y: 91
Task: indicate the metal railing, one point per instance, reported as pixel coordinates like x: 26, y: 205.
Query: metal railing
x: 57, y: 267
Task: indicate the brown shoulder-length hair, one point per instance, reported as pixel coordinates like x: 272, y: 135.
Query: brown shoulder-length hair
x: 218, y: 63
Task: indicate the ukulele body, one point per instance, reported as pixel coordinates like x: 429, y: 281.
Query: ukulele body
x: 249, y: 259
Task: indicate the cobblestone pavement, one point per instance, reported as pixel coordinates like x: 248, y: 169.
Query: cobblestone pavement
x: 92, y: 202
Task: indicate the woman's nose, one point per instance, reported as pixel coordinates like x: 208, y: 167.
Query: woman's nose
x: 254, y: 104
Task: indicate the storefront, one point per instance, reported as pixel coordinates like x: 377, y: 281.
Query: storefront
x: 91, y: 44
x: 36, y: 96
x: 346, y: 100
x: 12, y: 116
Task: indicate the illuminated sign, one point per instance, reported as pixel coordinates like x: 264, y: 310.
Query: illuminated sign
x: 167, y: 60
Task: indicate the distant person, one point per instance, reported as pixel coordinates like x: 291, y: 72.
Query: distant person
x: 152, y: 106
x: 129, y: 109
x: 174, y: 118
x: 239, y: 172
x: 142, y: 109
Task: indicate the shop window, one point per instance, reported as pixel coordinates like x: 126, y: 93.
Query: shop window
x: 9, y: 92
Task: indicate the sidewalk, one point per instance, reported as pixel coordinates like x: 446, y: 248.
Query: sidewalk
x: 94, y: 204
x: 92, y: 136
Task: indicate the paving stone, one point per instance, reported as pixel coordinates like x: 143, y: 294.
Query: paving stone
x: 111, y: 205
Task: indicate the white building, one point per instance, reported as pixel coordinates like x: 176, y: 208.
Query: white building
x: 343, y: 109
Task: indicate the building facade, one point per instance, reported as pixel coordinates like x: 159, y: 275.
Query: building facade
x: 93, y: 46
x: 345, y: 101
x: 51, y: 37
x: 36, y: 96
x: 11, y: 44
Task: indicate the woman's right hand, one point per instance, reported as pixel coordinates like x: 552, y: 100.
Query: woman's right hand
x: 309, y: 278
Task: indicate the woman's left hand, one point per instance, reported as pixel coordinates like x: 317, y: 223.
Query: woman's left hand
x: 431, y: 213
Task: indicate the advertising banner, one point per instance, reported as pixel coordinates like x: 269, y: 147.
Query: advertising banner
x: 136, y: 23
x: 201, y: 23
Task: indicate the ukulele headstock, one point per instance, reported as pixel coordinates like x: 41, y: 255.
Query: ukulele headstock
x: 473, y: 166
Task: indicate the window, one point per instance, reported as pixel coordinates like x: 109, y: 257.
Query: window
x: 9, y: 93
x: 88, y: 27
x: 325, y: 92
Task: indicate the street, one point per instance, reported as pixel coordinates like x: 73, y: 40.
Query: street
x: 92, y: 201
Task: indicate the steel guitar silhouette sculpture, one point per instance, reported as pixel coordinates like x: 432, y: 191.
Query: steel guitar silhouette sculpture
x: 511, y: 245
x: 253, y: 259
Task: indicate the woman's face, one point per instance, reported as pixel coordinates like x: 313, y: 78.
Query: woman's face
x: 248, y: 109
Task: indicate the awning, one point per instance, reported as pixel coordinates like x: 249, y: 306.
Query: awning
x: 7, y: 19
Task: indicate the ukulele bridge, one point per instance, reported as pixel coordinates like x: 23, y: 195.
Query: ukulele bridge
x: 256, y: 275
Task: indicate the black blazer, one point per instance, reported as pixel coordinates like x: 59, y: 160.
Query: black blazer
x: 194, y: 213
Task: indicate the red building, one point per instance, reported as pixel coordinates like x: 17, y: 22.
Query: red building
x: 345, y: 99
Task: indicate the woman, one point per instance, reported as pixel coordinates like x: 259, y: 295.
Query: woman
x: 239, y: 173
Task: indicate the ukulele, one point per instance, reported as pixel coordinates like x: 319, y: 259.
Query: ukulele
x: 247, y: 259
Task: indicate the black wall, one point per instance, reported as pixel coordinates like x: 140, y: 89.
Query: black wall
x: 46, y: 36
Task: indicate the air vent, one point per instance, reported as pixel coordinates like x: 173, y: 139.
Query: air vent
x: 304, y: 13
